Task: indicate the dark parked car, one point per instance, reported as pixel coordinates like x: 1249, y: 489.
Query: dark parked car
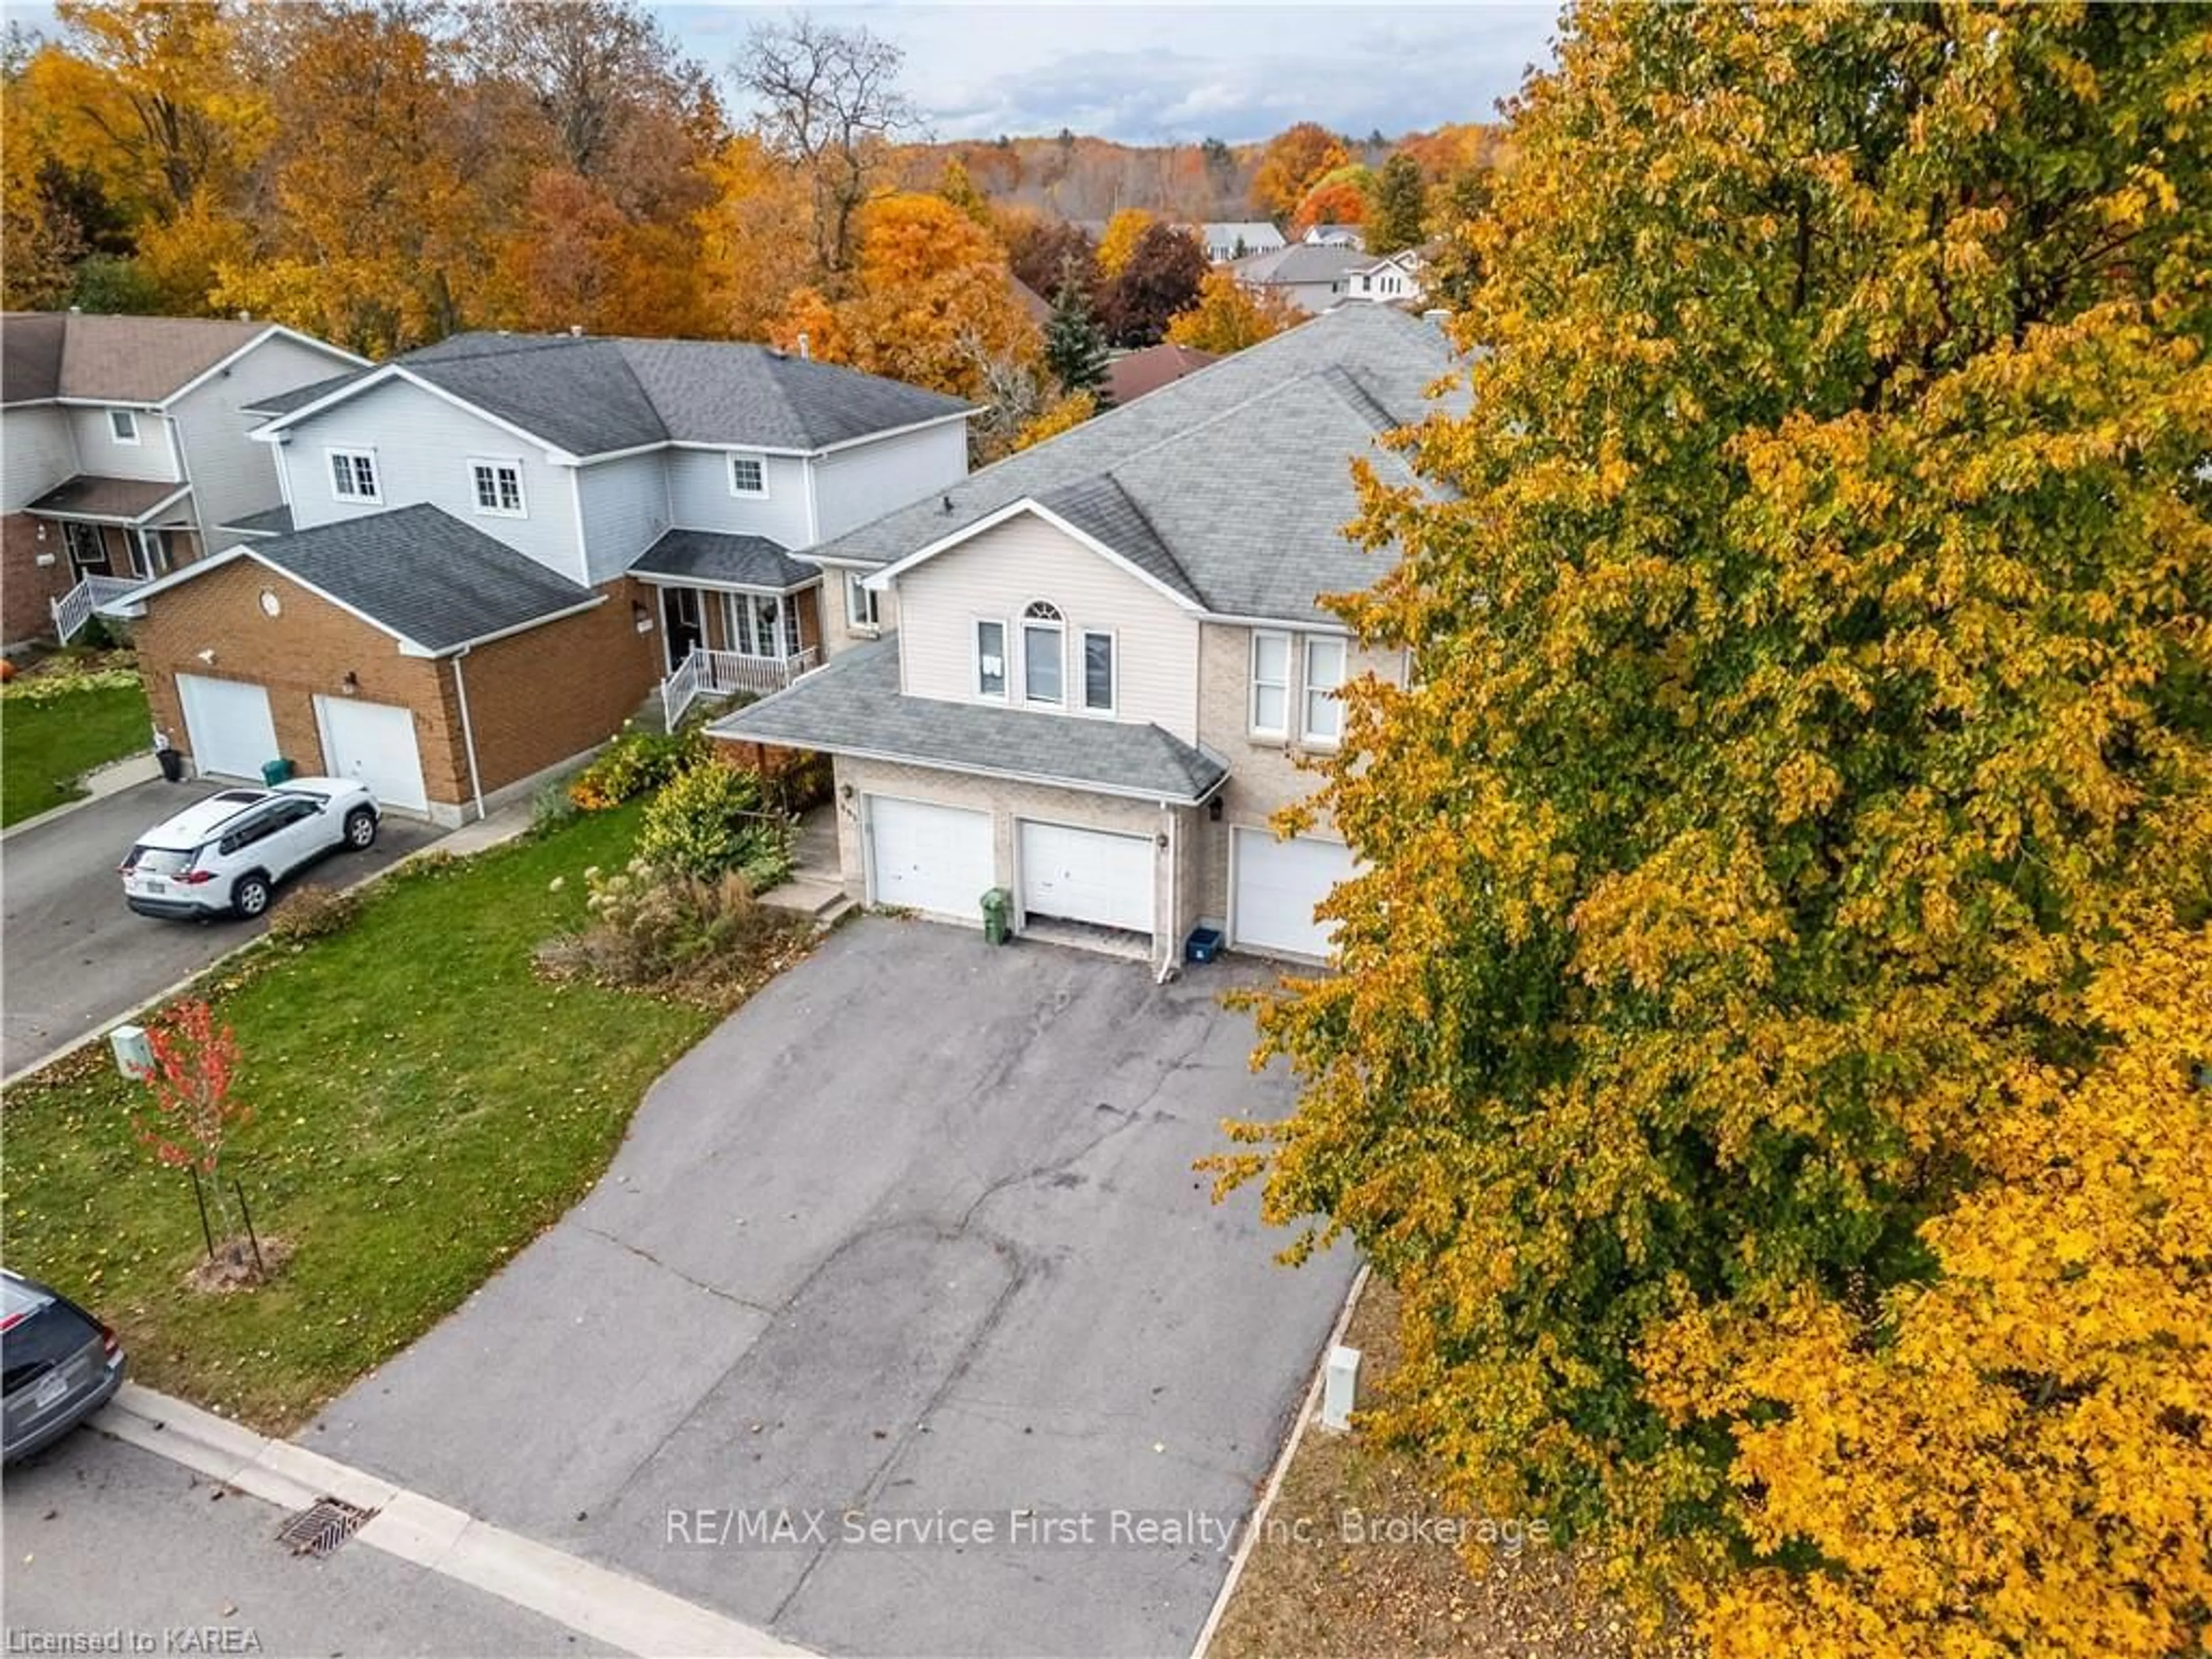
x: 61, y: 1363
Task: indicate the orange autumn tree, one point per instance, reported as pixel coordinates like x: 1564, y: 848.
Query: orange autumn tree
x: 1118, y: 241
x: 1229, y: 316
x: 1807, y: 769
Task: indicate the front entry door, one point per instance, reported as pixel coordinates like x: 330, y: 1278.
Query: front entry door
x: 88, y: 547
x: 679, y: 617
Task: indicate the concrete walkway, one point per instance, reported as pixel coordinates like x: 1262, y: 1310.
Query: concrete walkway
x: 604, y: 1605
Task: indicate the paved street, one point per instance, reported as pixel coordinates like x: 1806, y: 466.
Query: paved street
x: 104, y: 1537
x: 75, y: 959
x: 914, y: 1237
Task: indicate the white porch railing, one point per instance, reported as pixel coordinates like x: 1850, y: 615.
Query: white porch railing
x: 75, y: 608
x: 707, y: 673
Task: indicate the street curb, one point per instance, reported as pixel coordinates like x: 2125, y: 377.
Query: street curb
x: 478, y: 840
x: 99, y: 783
x: 608, y: 1607
x: 1309, y: 1413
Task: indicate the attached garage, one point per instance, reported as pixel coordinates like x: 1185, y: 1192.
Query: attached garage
x: 1275, y: 885
x: 374, y: 743
x: 1086, y: 875
x: 227, y: 726
x: 922, y: 856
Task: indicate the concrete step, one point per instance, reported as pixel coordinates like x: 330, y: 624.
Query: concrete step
x: 823, y: 901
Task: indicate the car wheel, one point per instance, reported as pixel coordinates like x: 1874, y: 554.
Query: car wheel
x: 360, y: 829
x: 249, y: 896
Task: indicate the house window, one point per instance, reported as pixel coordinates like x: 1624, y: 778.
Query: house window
x: 498, y: 486
x: 149, y: 554
x: 1271, y: 684
x: 863, y: 605
x: 991, y: 659
x: 123, y: 424
x: 1324, y: 721
x: 1097, y: 672
x: 353, y: 475
x: 748, y: 476
x: 87, y: 547
x: 1042, y: 631
x: 761, y: 624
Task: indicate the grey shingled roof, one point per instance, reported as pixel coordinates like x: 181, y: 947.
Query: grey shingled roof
x: 710, y: 556
x: 1301, y: 262
x: 118, y: 500
x: 269, y: 521
x: 1101, y: 508
x: 594, y: 396
x: 1237, y: 476
x: 422, y: 574
x: 853, y: 706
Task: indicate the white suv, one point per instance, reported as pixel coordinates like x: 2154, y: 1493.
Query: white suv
x: 227, y: 852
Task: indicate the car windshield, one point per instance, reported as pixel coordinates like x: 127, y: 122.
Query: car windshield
x: 160, y: 860
x: 33, y: 1346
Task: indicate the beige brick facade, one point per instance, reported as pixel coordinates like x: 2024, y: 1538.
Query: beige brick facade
x: 534, y: 699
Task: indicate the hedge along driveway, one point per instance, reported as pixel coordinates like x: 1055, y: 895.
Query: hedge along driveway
x: 425, y: 1106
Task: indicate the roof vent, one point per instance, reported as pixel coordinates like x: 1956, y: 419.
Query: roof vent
x: 947, y: 503
x: 575, y: 330
x: 76, y: 311
x: 245, y: 316
x: 803, y: 351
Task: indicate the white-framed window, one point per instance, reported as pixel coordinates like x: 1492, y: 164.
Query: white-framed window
x: 1271, y: 684
x: 1044, y: 647
x: 353, y: 475
x: 990, y: 659
x: 1097, y: 672
x: 123, y: 425
x: 748, y: 475
x: 1324, y: 715
x: 497, y: 486
x: 863, y: 605
x: 761, y: 624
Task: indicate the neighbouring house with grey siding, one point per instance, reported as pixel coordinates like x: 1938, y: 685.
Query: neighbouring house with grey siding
x: 126, y: 446
x: 1112, y: 664
x: 669, y: 484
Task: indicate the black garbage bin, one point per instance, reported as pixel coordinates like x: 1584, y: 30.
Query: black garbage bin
x: 173, y: 764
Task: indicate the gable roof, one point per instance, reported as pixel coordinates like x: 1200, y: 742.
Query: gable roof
x: 1133, y: 373
x: 82, y: 356
x: 1301, y: 263
x: 592, y: 396
x: 419, y: 574
x: 713, y: 556
x: 1235, y: 479
x: 853, y: 706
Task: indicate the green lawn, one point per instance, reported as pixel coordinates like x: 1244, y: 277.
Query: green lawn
x: 45, y: 746
x: 424, y: 1107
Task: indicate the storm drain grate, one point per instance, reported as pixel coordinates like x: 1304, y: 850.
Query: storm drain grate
x: 323, y: 1526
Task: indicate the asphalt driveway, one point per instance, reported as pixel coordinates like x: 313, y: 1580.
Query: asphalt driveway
x: 911, y: 1243
x: 75, y: 959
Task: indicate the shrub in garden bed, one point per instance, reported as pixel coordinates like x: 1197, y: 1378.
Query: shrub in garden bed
x: 636, y: 763
x: 706, y: 938
x: 712, y: 819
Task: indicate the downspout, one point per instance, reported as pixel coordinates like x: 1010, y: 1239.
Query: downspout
x: 184, y: 473
x: 468, y: 734
x: 1167, y: 968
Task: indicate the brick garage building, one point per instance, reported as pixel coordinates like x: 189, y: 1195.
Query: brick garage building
x: 442, y: 667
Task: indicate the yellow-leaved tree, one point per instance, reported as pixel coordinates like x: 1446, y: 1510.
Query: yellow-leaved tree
x: 1761, y: 1055
x: 1229, y: 316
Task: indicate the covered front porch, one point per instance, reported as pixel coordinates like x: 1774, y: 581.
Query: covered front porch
x: 118, y: 534
x: 736, y: 616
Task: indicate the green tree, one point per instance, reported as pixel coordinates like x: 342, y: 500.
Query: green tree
x: 1074, y: 345
x: 1398, y: 206
x: 1810, y: 607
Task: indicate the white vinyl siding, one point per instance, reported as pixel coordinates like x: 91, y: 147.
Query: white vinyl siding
x: 153, y: 458
x: 420, y: 440
x: 1324, y: 715
x: 861, y: 482
x: 231, y: 474
x: 1271, y: 684
x: 625, y: 504
x: 700, y: 497
x: 999, y: 572
x: 36, y: 455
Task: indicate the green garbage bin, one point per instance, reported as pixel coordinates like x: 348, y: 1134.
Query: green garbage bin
x: 998, y: 906
x: 276, y: 772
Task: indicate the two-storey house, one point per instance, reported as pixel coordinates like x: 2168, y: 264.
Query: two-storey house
x: 1112, y: 658
x: 124, y: 445
x: 491, y: 550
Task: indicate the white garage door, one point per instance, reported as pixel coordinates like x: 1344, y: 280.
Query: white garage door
x: 374, y: 744
x: 1087, y: 875
x: 1278, y: 884
x: 929, y: 858
x: 227, y: 726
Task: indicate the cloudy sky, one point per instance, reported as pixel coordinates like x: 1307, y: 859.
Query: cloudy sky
x: 1147, y: 74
